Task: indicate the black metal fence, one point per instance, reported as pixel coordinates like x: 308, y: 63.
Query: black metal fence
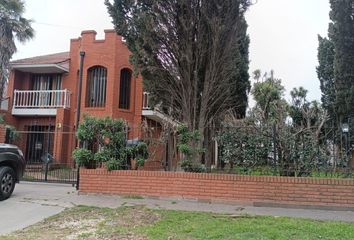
x: 238, y: 149
x: 47, y: 151
x: 51, y: 173
x: 285, y: 151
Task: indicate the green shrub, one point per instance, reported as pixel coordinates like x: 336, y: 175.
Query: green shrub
x: 138, y: 152
x: 140, y: 161
x: 142, y: 150
x: 83, y: 156
x: 109, y: 136
x: 187, y: 166
x: 103, y: 155
x: 188, y: 145
x: 115, y: 164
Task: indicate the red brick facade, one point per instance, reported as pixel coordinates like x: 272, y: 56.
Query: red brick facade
x: 111, y: 53
x: 256, y: 190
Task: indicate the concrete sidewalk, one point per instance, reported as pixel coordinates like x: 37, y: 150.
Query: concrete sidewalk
x: 33, y: 202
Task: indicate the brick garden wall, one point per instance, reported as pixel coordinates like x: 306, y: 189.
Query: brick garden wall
x: 250, y: 190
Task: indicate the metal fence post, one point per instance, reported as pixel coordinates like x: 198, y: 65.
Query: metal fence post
x: 47, y: 155
x: 78, y: 178
x: 46, y: 171
x: 275, y: 143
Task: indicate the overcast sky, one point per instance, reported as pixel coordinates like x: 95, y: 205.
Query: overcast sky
x: 283, y: 34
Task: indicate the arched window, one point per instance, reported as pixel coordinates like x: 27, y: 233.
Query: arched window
x: 124, y: 91
x: 96, y: 87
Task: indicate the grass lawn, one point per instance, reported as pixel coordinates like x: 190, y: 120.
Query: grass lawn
x: 139, y: 223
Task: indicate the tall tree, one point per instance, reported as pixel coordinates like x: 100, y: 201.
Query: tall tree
x: 12, y: 27
x: 342, y: 16
x: 325, y: 73
x: 192, y: 54
x: 241, y: 85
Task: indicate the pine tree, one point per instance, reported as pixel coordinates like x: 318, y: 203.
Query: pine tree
x: 240, y: 83
x: 342, y: 16
x: 325, y: 73
x: 192, y: 54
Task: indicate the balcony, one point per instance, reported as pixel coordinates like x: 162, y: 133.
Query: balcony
x: 153, y: 113
x: 40, y: 103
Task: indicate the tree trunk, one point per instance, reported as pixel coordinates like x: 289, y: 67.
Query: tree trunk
x: 170, y: 146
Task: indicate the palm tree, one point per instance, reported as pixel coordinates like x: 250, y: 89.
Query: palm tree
x: 12, y: 27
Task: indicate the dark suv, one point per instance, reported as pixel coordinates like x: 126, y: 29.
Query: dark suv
x: 12, y: 167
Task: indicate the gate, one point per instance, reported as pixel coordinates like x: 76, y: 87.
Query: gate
x: 50, y: 173
x: 47, y: 151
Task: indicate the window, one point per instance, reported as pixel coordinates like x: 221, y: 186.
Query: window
x: 46, y: 82
x: 96, y: 87
x: 124, y: 91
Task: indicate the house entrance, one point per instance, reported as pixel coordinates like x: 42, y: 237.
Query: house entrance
x: 40, y: 140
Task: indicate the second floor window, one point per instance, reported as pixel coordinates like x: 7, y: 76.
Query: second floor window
x: 124, y: 91
x: 45, y: 86
x: 46, y: 82
x: 96, y: 87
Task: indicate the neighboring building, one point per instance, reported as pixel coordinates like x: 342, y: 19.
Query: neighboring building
x: 43, y: 94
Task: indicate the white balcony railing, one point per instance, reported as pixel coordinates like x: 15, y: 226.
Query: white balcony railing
x: 146, y: 98
x: 41, y: 99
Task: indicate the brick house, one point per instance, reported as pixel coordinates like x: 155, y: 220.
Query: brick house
x: 43, y: 96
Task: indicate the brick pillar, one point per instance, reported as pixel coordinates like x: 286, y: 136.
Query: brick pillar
x: 60, y: 140
x: 2, y: 133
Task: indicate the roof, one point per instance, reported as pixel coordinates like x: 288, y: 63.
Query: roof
x: 59, y: 60
x: 55, y: 58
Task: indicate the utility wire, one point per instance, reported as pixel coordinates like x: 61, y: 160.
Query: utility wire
x: 55, y: 25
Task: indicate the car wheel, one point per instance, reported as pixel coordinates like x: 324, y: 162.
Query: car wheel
x: 7, y: 182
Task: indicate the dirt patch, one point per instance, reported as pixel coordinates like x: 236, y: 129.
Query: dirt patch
x: 136, y: 217
x: 91, y: 223
x: 127, y: 236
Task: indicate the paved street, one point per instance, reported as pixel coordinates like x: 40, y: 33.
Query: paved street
x: 33, y: 202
